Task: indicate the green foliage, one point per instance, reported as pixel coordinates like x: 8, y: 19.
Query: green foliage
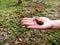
x: 41, y: 14
x: 15, y: 33
x: 51, y: 11
x: 1, y: 44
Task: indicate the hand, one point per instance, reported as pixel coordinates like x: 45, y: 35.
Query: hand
x: 31, y: 23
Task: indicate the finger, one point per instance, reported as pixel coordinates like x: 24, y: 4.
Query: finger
x: 27, y: 21
x: 27, y: 18
x: 28, y: 24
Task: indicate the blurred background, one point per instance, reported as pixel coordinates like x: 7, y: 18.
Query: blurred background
x: 12, y: 32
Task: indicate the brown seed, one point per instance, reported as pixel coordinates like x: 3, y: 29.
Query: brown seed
x: 38, y: 21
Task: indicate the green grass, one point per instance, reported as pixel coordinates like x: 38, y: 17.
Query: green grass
x: 14, y: 33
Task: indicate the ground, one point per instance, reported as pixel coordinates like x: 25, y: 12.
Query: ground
x: 12, y: 32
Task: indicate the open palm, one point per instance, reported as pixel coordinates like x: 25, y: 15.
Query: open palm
x: 31, y: 23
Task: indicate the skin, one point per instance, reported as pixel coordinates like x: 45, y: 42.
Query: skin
x: 48, y: 24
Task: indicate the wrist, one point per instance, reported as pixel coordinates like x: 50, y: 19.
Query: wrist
x: 56, y: 24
